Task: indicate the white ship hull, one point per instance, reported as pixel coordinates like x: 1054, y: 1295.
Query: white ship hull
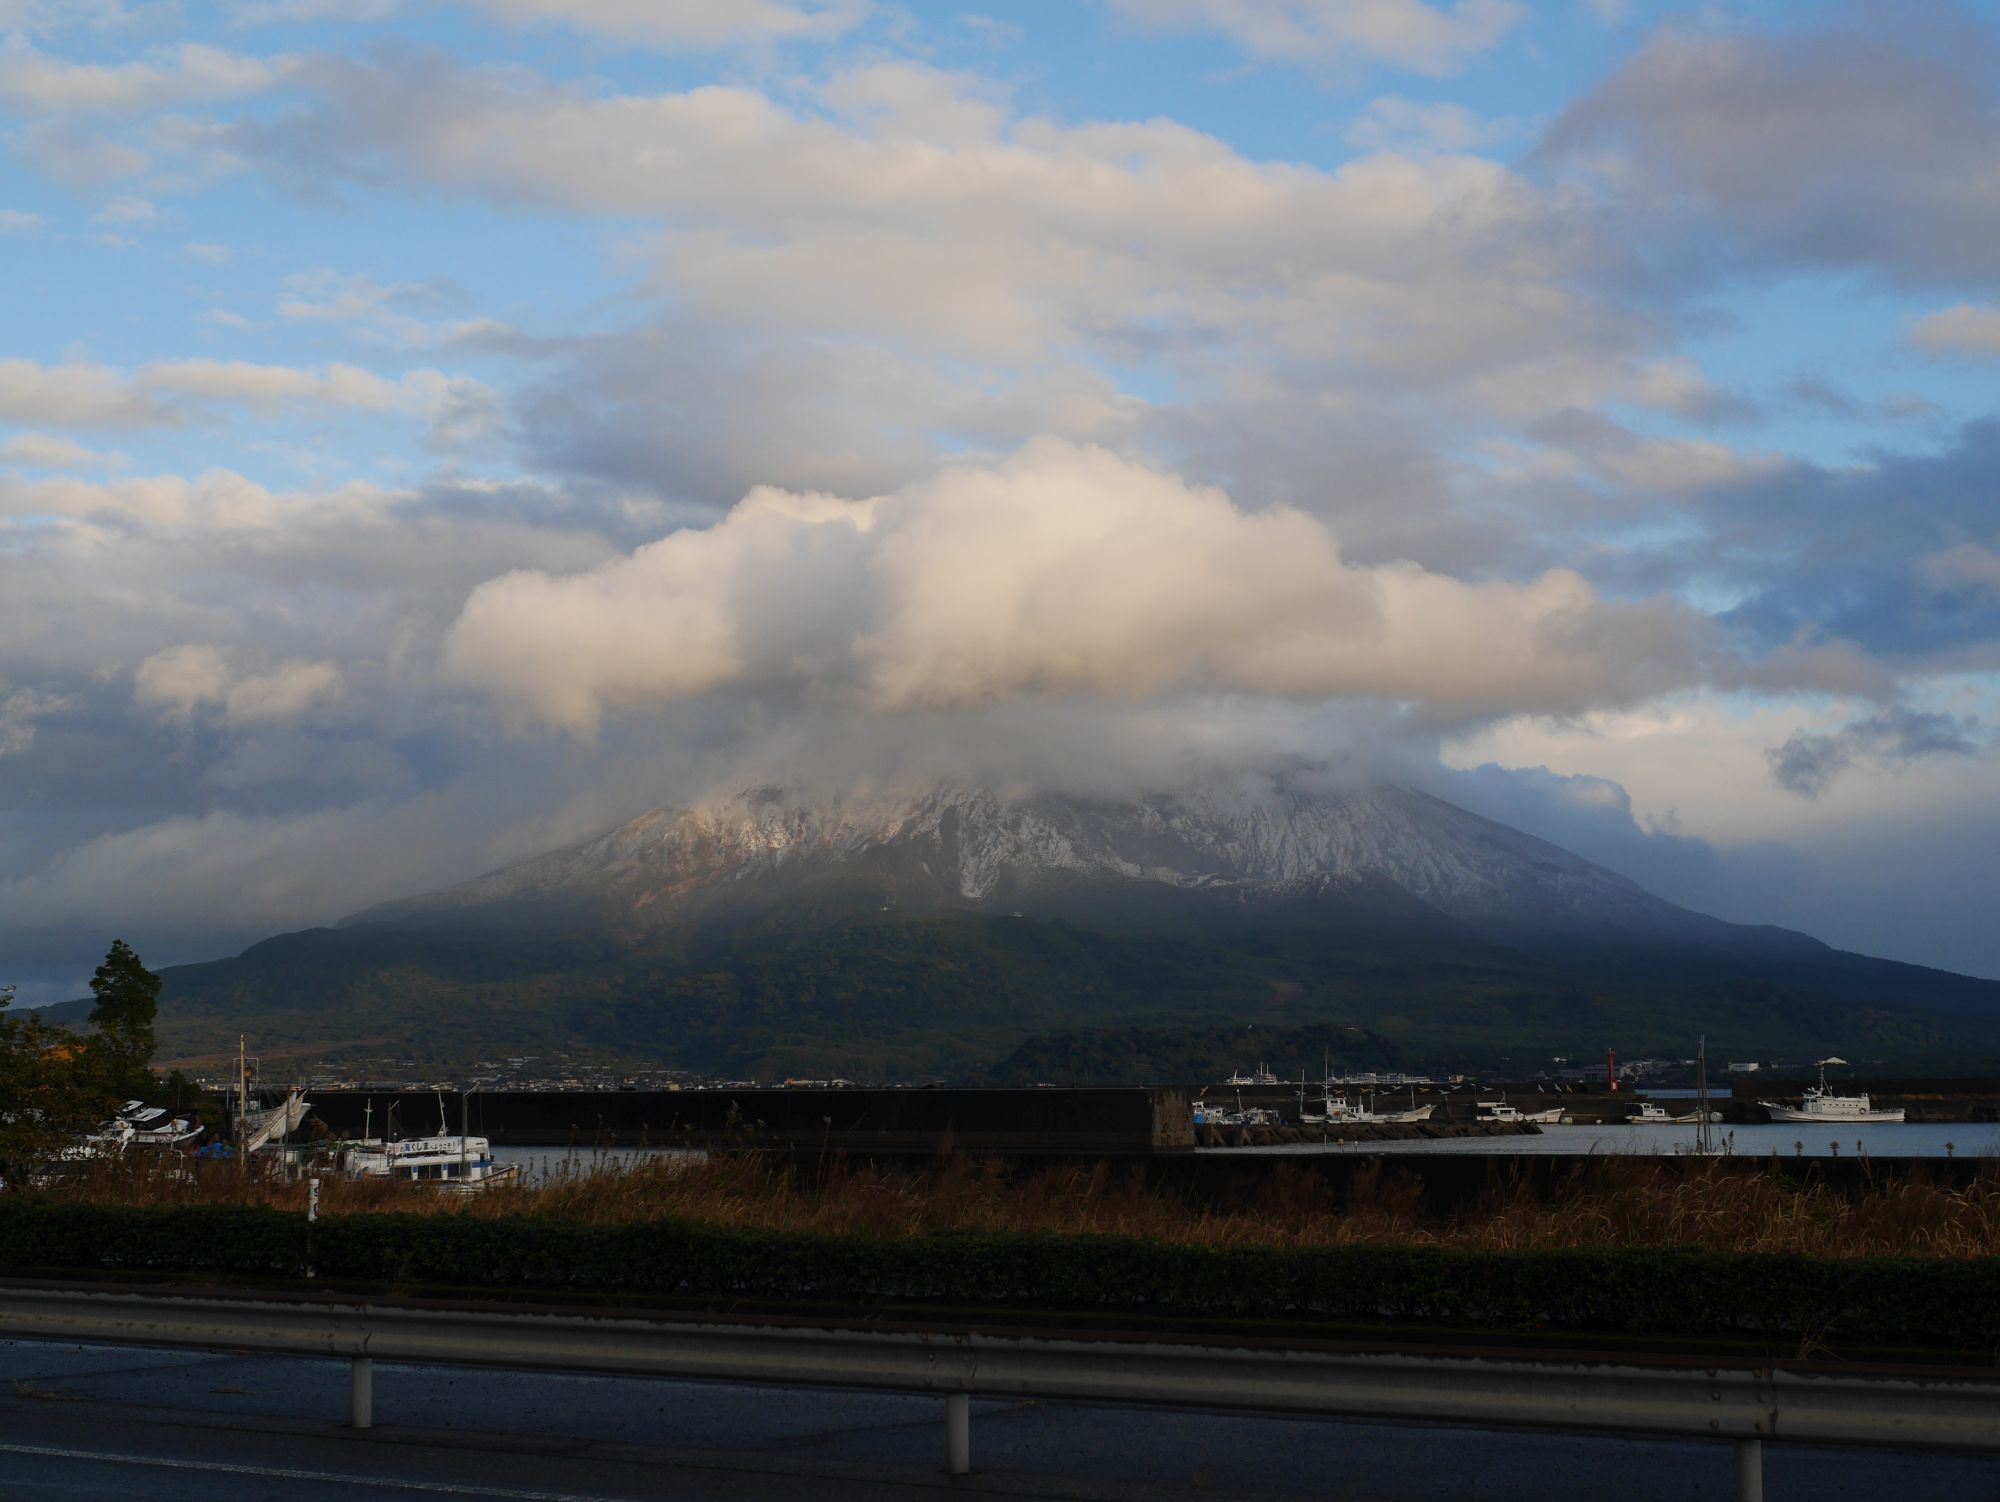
x: 1821, y: 1107
x: 1491, y: 1112
x: 456, y: 1163
x: 1393, y: 1118
x: 1828, y: 1118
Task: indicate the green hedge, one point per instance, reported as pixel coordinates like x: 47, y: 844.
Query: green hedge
x: 1793, y: 1299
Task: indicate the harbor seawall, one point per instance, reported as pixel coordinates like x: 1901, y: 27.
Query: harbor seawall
x: 846, y: 1120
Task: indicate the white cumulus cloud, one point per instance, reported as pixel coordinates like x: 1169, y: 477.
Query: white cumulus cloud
x: 1423, y: 37
x: 1062, y: 570
x: 179, y: 681
x: 1961, y: 330
x: 691, y: 24
x: 44, y: 451
x: 20, y: 710
x: 33, y: 81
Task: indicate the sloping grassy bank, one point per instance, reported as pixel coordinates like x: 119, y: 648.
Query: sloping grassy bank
x: 1668, y: 1250
x: 1787, y: 1301
x: 1712, y: 1205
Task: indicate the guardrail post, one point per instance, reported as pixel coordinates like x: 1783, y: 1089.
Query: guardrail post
x: 1749, y: 1470
x: 958, y: 1433
x: 364, y: 1392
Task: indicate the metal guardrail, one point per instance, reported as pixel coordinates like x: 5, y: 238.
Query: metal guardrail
x: 1744, y: 1404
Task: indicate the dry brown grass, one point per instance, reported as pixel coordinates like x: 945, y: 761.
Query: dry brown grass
x: 1721, y: 1206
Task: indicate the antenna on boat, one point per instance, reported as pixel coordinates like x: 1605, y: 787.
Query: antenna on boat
x: 1704, y: 1142
x: 242, y: 1105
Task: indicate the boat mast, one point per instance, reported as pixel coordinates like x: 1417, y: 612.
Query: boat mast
x: 242, y: 1105
x: 1703, y: 1140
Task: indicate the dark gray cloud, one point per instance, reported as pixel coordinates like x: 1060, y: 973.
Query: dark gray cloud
x: 1808, y: 762
x: 1915, y: 889
x: 698, y: 418
x: 1591, y: 816
x: 1812, y: 552
x: 1816, y: 394
x: 1867, y: 142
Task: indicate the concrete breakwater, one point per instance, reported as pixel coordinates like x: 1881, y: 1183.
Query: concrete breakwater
x: 1355, y: 1132
x: 1039, y: 1120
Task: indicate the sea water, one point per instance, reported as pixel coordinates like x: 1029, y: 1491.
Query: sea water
x: 547, y: 1165
x: 1878, y: 1139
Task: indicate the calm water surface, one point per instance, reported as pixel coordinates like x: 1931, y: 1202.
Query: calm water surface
x: 1963, y: 1139
x: 1879, y: 1139
x: 546, y: 1165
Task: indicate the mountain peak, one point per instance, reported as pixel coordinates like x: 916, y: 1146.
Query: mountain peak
x: 968, y: 846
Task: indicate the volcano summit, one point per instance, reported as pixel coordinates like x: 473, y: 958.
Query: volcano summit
x: 966, y: 849
x: 933, y: 930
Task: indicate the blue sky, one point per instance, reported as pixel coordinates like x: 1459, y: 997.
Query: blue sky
x: 432, y: 431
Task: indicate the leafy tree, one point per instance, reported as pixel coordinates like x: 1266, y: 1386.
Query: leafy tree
x: 128, y: 997
x: 51, y: 1090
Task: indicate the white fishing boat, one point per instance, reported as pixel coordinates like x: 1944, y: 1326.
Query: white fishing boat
x: 156, y: 1126
x: 137, y: 1125
x: 1333, y: 1111
x: 1500, y: 1110
x: 1396, y: 1118
x: 1368, y: 1114
x: 1214, y: 1113
x: 1823, y: 1106
x: 461, y: 1162
x: 1263, y: 1076
x: 448, y: 1162
x: 1652, y: 1113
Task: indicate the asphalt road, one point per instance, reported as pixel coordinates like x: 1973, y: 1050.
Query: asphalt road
x: 115, y: 1424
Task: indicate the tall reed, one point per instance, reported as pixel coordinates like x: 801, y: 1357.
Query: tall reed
x: 1722, y: 1206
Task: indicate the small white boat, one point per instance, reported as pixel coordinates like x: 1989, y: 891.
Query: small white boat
x: 156, y: 1126
x: 1415, y: 1113
x: 1368, y: 1115
x: 137, y: 1125
x: 449, y: 1162
x: 1652, y: 1113
x: 1212, y: 1113
x: 1823, y: 1106
x: 1500, y: 1110
x: 1263, y: 1076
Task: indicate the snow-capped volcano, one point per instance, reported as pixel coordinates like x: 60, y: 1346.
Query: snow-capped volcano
x: 921, y: 931
x: 970, y: 847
